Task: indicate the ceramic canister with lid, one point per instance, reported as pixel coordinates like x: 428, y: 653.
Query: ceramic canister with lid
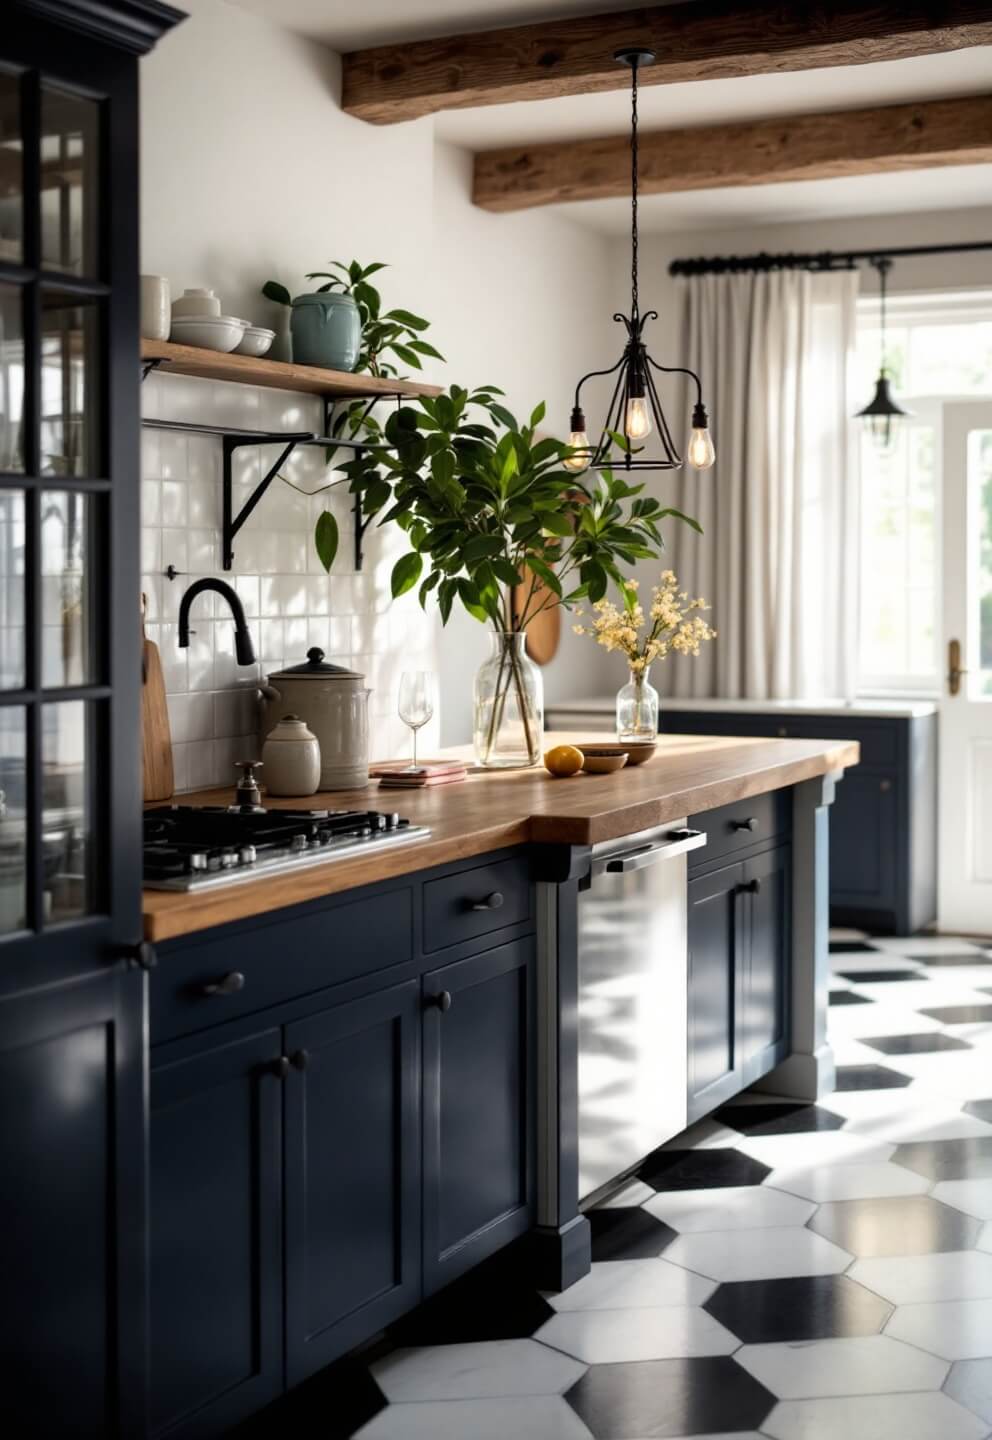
x: 291, y: 756
x: 333, y: 702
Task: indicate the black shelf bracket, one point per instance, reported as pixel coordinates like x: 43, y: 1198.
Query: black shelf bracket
x: 231, y: 523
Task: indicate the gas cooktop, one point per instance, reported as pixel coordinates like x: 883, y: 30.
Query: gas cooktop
x: 191, y: 848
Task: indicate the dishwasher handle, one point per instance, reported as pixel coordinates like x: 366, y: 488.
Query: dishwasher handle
x: 676, y: 842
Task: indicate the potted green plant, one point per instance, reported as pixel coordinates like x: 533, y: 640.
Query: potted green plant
x: 483, y: 500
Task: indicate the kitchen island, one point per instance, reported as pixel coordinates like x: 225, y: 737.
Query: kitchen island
x: 367, y: 1076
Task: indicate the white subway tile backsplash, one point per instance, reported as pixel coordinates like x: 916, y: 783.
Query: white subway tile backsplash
x: 174, y: 495
x: 151, y: 498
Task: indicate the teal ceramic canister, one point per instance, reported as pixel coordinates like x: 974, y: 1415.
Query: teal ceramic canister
x: 327, y: 331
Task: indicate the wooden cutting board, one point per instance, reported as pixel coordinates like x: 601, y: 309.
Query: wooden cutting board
x: 156, y: 739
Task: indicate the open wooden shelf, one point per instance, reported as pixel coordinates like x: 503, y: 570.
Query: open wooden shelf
x: 276, y: 374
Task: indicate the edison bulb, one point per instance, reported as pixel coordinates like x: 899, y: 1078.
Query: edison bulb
x: 637, y: 420
x: 700, y: 451
x: 578, y: 440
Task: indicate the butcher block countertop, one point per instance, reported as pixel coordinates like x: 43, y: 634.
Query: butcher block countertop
x: 687, y: 774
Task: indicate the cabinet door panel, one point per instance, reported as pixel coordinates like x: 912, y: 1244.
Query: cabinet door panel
x: 765, y: 1039
x: 715, y: 990
x: 863, y: 840
x: 352, y: 1174
x: 478, y: 1102
x: 215, y: 1237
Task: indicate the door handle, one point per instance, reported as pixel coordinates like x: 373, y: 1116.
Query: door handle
x: 279, y: 1068
x: 227, y: 985
x: 491, y: 902
x: 678, y: 842
x: 954, y: 667
x: 749, y: 887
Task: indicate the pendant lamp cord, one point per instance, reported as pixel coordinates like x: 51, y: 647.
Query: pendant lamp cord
x: 634, y: 309
x: 883, y: 271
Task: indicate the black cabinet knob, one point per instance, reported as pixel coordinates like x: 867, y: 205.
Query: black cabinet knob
x: 441, y: 1001
x: 141, y: 956
x: 749, y: 824
x: 491, y: 902
x: 749, y: 887
x: 279, y: 1068
x: 300, y: 1059
x: 227, y: 985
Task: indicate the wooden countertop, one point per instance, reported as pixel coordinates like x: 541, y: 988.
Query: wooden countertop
x: 687, y: 774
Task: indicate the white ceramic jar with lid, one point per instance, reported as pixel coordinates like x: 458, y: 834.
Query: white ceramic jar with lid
x: 196, y: 303
x: 291, y: 756
x: 333, y: 702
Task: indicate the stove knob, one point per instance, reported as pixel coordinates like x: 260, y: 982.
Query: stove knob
x: 198, y: 860
x: 315, y: 842
x: 248, y: 855
x: 298, y: 844
x: 375, y: 820
x: 228, y: 859
x: 392, y: 821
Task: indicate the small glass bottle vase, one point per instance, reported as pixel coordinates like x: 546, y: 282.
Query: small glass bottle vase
x: 509, y: 706
x: 637, y: 708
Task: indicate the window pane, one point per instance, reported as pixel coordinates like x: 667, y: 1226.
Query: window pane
x: 66, y: 820
x: 11, y: 590
x: 11, y: 173
x: 70, y: 393
x: 980, y: 525
x: 11, y: 380
x: 64, y: 586
x: 13, y: 848
x: 69, y: 171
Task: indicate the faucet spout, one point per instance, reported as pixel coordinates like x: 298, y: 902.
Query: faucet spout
x: 243, y: 647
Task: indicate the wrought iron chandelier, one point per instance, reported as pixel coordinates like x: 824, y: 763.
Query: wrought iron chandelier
x: 879, y: 414
x: 635, y: 410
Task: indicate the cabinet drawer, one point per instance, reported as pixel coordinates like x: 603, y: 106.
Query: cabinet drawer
x: 879, y: 739
x: 747, y: 822
x: 474, y: 902
x: 277, y: 962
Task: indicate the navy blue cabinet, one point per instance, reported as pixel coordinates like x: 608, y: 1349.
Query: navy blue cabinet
x: 765, y: 896
x: 716, y: 999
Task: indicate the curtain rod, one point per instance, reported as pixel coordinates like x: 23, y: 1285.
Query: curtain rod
x: 819, y: 260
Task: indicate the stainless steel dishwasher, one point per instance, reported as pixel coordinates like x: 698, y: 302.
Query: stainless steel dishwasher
x: 633, y: 964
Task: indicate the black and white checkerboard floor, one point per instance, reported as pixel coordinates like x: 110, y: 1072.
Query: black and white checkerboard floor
x: 801, y: 1272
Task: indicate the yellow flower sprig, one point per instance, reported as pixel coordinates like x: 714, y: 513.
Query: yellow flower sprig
x: 676, y: 624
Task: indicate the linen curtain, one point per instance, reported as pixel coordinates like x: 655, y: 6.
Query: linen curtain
x: 778, y: 560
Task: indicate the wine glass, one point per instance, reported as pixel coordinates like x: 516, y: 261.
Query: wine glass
x: 416, y: 703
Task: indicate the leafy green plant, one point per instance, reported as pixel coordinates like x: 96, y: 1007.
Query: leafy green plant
x: 396, y: 332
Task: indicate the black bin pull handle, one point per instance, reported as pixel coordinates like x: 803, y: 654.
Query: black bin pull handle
x: 228, y: 984
x: 491, y: 902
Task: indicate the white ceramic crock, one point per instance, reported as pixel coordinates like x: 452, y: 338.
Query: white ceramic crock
x: 291, y: 756
x: 155, y: 314
x: 334, y: 703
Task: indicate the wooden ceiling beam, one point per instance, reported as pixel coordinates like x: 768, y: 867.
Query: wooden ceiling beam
x: 693, y: 40
x: 763, y: 152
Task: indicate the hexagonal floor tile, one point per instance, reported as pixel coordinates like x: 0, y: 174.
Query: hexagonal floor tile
x: 493, y: 1370
x: 849, y: 1182
x: 846, y: 997
x: 953, y: 1329
x: 745, y: 1207
x: 900, y: 1225
x: 542, y: 1417
x: 806, y: 1307
x: 627, y: 1233
x: 768, y: 1254
x: 603, y: 1337
x: 633, y: 1285
x: 916, y: 1043
x: 495, y: 1301
x: 974, y: 1197
x: 948, y: 1159
x: 828, y: 1147
x: 970, y: 1384
x: 870, y: 1077
x: 874, y: 1417
x: 700, y: 1169
x: 778, y: 1118
x: 915, y: 1279
x: 667, y: 1399
x: 863, y: 1365
x: 928, y: 1118
x: 887, y: 974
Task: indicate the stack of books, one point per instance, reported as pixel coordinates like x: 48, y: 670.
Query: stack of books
x: 396, y: 775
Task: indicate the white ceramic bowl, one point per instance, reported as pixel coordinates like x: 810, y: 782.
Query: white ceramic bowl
x: 255, y: 341
x: 209, y: 332
x: 196, y: 302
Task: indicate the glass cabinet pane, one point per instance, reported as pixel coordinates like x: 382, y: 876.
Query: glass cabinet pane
x: 65, y: 649
x: 70, y: 387
x: 11, y: 590
x: 69, y: 178
x: 65, y: 828
x: 13, y: 828
x: 11, y: 380
x: 11, y: 171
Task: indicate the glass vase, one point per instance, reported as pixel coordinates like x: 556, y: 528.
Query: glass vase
x: 509, y: 705
x: 637, y: 708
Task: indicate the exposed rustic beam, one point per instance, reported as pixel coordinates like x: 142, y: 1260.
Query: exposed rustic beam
x: 799, y: 147
x: 698, y: 40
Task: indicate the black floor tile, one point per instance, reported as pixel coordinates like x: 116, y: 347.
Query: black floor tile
x: 495, y: 1301
x: 880, y: 977
x: 662, y: 1398
x: 623, y: 1233
x: 981, y: 1109
x: 970, y: 1384
x: 776, y: 1119
x: 915, y: 1044
x: 852, y: 947
x: 701, y: 1169
x: 848, y: 997
x: 966, y: 957
x: 947, y: 1159
x: 810, y: 1307
x: 901, y: 1225
x: 870, y: 1077
x: 961, y: 1014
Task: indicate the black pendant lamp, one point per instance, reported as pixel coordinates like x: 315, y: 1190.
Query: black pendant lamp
x: 635, y: 411
x: 882, y: 410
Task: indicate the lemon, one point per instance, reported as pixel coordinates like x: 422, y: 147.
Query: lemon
x: 563, y: 760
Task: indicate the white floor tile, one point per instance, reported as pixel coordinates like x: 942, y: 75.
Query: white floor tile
x: 849, y: 1182
x: 974, y: 1197
x: 953, y: 1329
x: 542, y: 1418
x: 821, y: 1147
x: 917, y: 994
x: 875, y: 1417
x: 956, y: 1074
x: 706, y: 1134
x: 839, y: 932
x: 494, y: 1370
x: 856, y: 963
x: 767, y: 1255
x: 926, y: 945
x: 605, y: 1337
x: 741, y: 1207
x: 937, y: 1120
x: 862, y: 1365
x: 633, y: 1285
x: 985, y: 1238
x: 634, y: 1193
x: 857, y: 1022
x: 915, y: 1279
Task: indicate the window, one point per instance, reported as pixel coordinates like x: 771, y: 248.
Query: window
x: 939, y: 348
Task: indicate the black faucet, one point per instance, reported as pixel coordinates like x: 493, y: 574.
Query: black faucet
x: 243, y: 647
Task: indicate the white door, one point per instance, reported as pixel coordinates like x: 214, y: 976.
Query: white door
x: 965, y: 887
